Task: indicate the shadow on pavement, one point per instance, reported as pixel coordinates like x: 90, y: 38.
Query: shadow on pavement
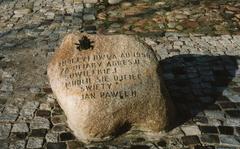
x: 196, y: 84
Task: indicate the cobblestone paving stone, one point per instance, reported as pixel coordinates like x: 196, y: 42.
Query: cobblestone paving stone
x: 153, y: 16
x: 201, y: 71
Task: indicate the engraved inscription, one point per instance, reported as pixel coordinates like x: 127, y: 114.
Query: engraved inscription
x: 103, y: 75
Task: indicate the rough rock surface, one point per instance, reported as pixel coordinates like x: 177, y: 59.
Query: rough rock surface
x: 108, y: 83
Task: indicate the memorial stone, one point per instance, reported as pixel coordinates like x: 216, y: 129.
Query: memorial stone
x: 106, y: 83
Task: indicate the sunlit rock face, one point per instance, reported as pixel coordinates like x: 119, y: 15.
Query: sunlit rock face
x: 108, y: 82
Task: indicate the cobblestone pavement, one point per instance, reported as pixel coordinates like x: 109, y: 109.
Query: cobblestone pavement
x: 202, y: 74
x: 153, y: 16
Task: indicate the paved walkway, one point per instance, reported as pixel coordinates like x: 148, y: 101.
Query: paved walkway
x: 201, y: 73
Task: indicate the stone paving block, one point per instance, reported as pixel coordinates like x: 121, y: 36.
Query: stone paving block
x: 1, y: 108
x: 57, y: 109
x: 66, y: 136
x: 35, y: 90
x: 204, y: 147
x: 8, y: 117
x: 40, y: 123
x: 29, y: 108
x: 233, y: 113
x: 176, y: 132
x: 60, y: 145
x: 161, y: 143
x: 59, y: 128
x: 52, y: 137
x: 88, y: 17
x: 34, y: 142
x: 11, y: 109
x: 224, y: 147
x: 172, y: 143
x: 229, y: 140
x: 190, y: 140
x: 3, y: 145
x: 4, y: 131
x: 237, y: 131
x: 232, y: 97
x: 209, y: 139
x: 138, y: 146
x: 20, y: 127
x: 231, y: 122
x: 77, y: 144
x: 225, y: 130
x: 214, y: 122
x: 38, y: 133
x: 43, y: 113
x: 227, y: 105
x: 17, y: 145
x: 6, y: 86
x: 208, y: 129
x: 18, y: 135
x: 59, y: 119
x: 45, y: 106
x: 200, y: 120
x: 191, y: 130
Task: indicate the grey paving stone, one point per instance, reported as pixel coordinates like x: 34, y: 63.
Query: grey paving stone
x: 224, y: 147
x: 59, y: 128
x: 4, y: 131
x: 52, y: 137
x: 231, y: 122
x: 78, y: 144
x: 35, y: 142
x: 29, y: 108
x: 4, y: 145
x: 38, y: 132
x: 88, y: 17
x: 233, y: 113
x: 66, y: 136
x: 45, y: 106
x: 227, y: 105
x: 18, y: 135
x: 208, y: 129
x: 20, y: 144
x: 229, y: 140
x: 176, y: 132
x: 8, y: 117
x: 6, y: 86
x: 11, y: 109
x: 190, y: 140
x: 1, y: 108
x: 209, y: 139
x: 60, y: 145
x: 20, y: 127
x: 43, y: 113
x: 214, y: 114
x: 225, y: 130
x: 40, y: 123
x: 214, y: 122
x: 35, y: 90
x: 237, y: 131
x: 58, y: 119
x: 191, y: 130
x: 233, y: 97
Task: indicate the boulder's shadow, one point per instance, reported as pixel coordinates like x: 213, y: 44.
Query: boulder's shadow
x: 196, y: 83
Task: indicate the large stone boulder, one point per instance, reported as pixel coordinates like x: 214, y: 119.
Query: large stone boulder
x: 105, y: 83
